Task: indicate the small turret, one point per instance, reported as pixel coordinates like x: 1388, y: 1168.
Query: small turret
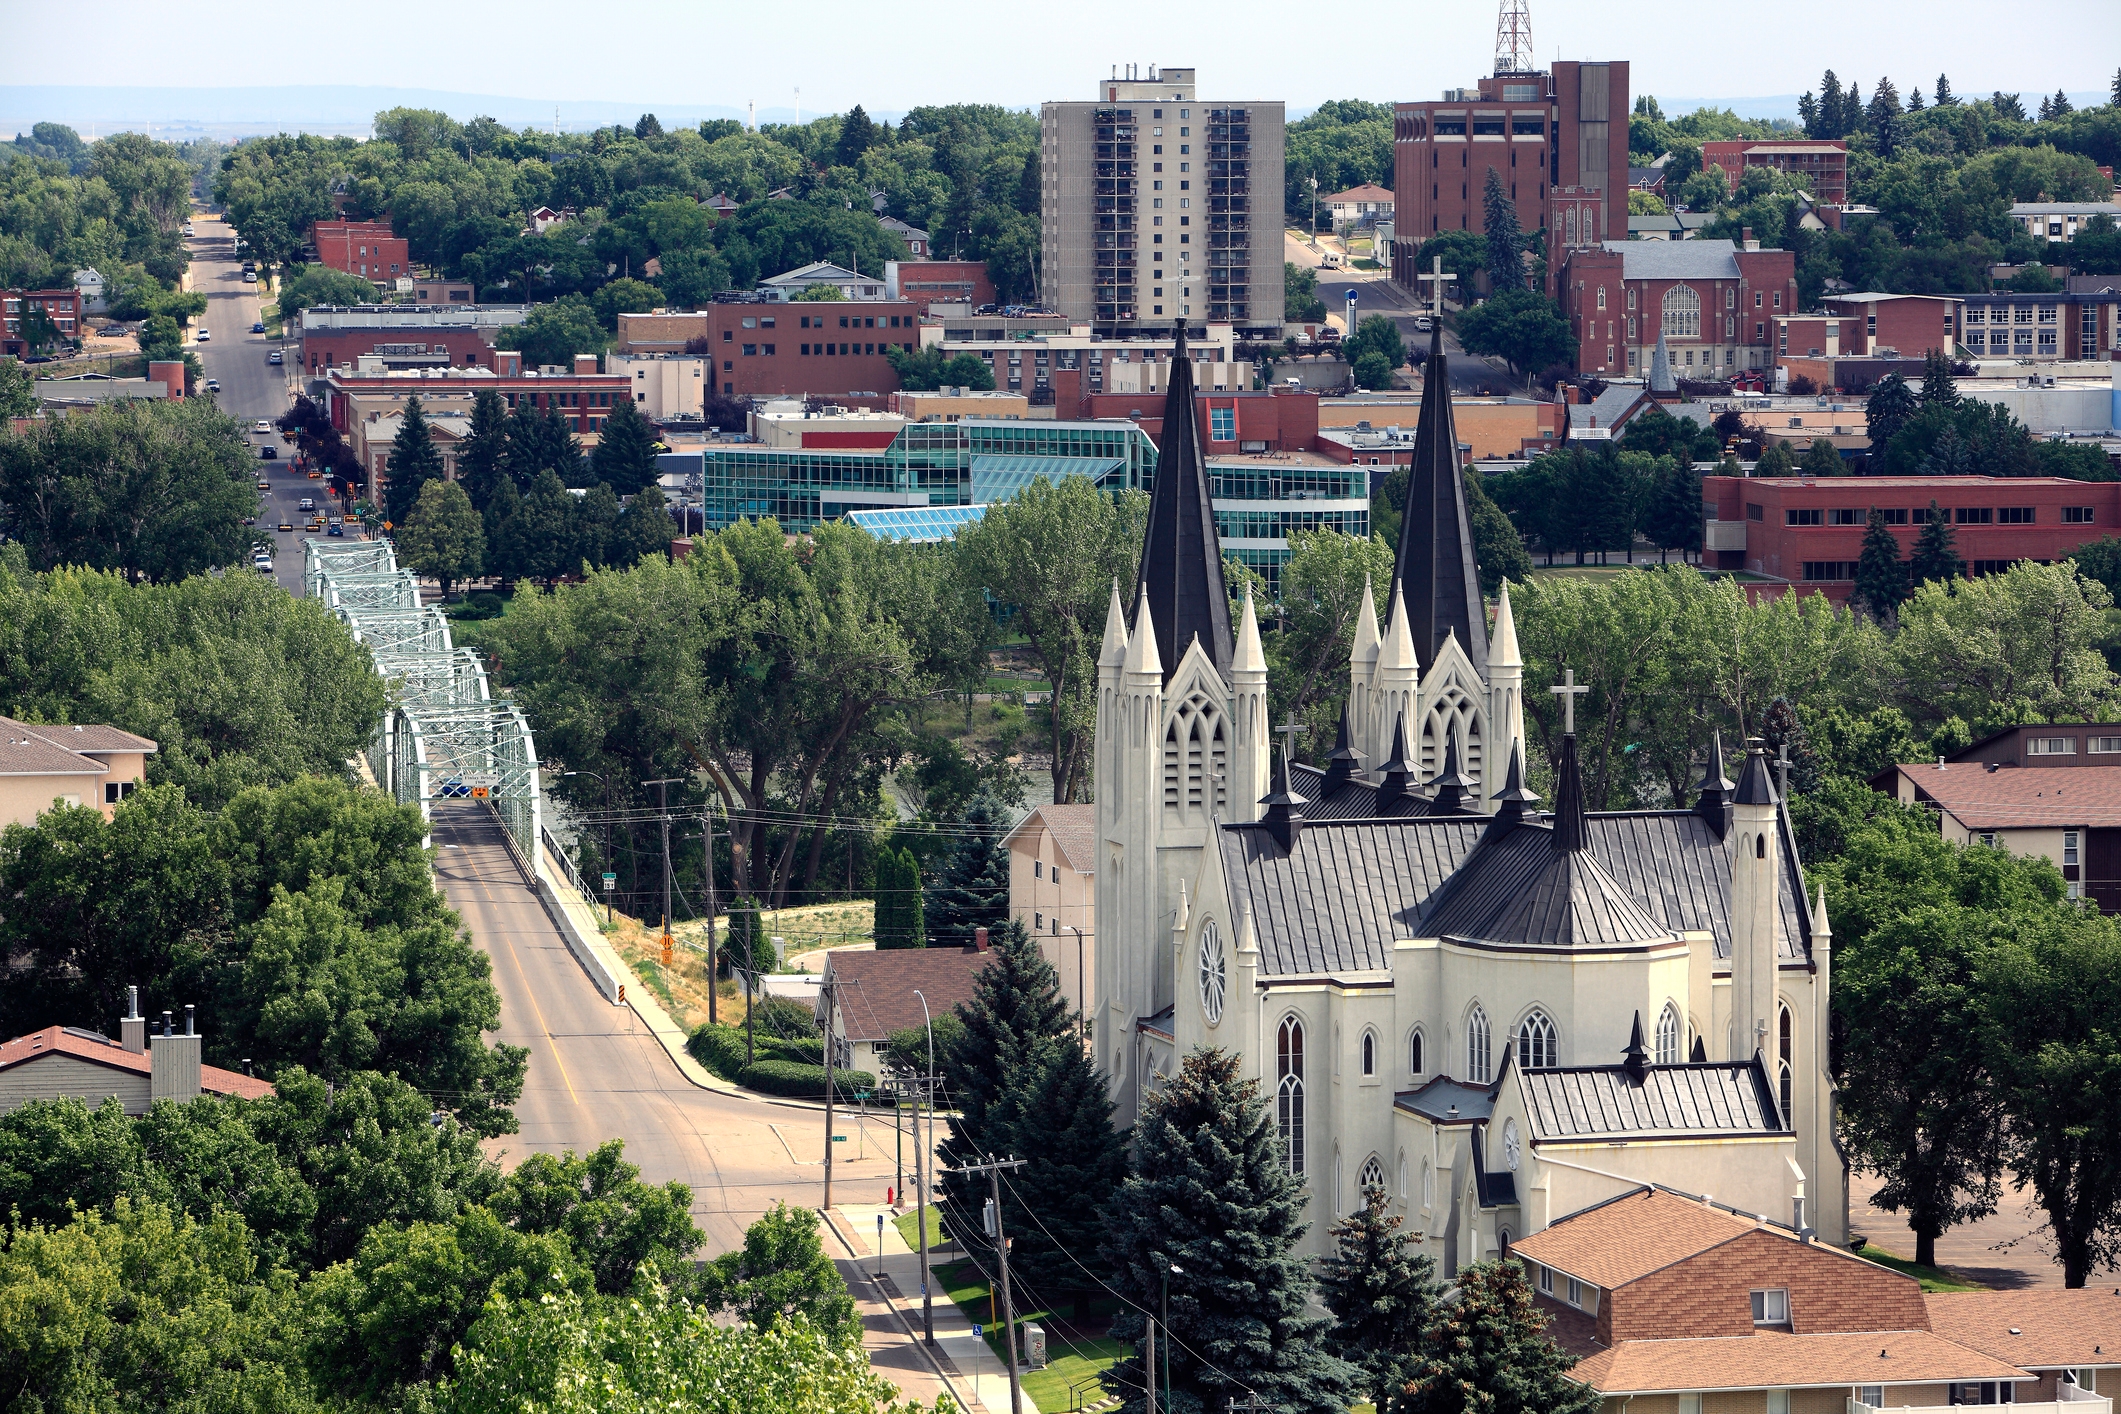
x: 1142, y: 656
x: 1635, y: 1060
x: 1714, y: 802
x: 1396, y: 777
x: 1285, y: 808
x: 1451, y: 788
x: 1515, y: 800
x: 1345, y: 764
x: 1113, y: 652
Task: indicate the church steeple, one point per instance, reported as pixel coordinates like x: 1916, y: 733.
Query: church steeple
x: 1182, y: 566
x: 1435, y: 567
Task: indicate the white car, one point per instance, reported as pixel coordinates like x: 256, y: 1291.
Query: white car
x: 261, y: 425
x: 261, y: 563
x: 204, y: 336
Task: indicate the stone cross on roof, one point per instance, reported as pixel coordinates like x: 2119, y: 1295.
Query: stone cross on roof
x: 1568, y: 691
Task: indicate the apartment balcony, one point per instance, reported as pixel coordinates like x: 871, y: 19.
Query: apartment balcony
x: 2074, y: 1400
x: 1723, y: 535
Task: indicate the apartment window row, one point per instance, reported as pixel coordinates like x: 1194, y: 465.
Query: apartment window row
x: 847, y: 350
x: 1819, y: 571
x: 1919, y: 515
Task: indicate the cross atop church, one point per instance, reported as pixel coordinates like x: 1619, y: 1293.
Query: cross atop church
x: 1290, y: 730
x: 1568, y: 692
x: 1438, y: 279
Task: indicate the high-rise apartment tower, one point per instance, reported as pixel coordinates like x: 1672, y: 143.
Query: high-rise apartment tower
x: 1158, y: 205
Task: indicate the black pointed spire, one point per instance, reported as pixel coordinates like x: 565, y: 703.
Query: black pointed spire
x: 1756, y: 783
x: 1714, y: 804
x: 1449, y: 788
x: 1435, y: 564
x: 1515, y: 800
x: 1570, y: 832
x: 1699, y: 1055
x: 1285, y: 808
x: 1635, y: 1060
x: 1346, y: 761
x: 1398, y: 775
x: 1182, y: 560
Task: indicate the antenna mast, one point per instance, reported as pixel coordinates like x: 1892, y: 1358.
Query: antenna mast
x: 1513, y: 38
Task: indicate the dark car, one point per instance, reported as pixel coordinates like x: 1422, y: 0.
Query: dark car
x: 337, y: 529
x: 268, y: 453
x: 259, y: 329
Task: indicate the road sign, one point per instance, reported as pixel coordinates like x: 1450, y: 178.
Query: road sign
x: 978, y: 1329
x: 839, y: 1138
x: 481, y: 792
x: 404, y: 284
x: 480, y: 778
x: 611, y: 881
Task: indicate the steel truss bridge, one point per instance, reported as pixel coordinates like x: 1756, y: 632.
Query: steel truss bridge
x: 444, y: 736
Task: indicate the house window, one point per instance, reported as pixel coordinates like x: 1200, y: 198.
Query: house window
x: 1369, y: 1053
x: 1535, y: 1043
x: 1771, y: 1307
x: 1803, y: 516
x: 1289, y: 1091
x: 1222, y: 424
x: 1477, y: 1047
x: 1546, y: 1280
x: 1682, y: 313
x: 1873, y: 1395
x: 1038, y: 924
x: 2105, y: 743
x: 2014, y: 515
x: 2051, y: 746
x: 1575, y: 1292
x: 2069, y: 846
x: 1601, y: 305
x: 1778, y: 1401
x: 1844, y: 515
x: 1668, y: 1035
x: 1974, y: 515
x: 1988, y: 839
x: 1038, y: 871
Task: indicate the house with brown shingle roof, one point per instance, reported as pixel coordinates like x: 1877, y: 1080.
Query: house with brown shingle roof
x: 1673, y: 1304
x: 2069, y: 815
x: 86, y: 765
x: 1053, y: 890
x: 67, y: 1062
x: 881, y: 990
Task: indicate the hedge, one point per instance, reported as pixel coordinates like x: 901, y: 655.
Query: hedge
x: 801, y: 1082
x: 719, y: 1048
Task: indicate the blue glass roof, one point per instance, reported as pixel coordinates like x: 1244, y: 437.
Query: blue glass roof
x: 916, y: 524
x: 997, y: 477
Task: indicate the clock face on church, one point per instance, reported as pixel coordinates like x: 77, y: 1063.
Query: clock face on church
x: 1214, y: 978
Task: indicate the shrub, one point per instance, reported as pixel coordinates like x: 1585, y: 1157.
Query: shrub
x: 801, y: 1082
x: 803, y: 1050
x: 719, y: 1048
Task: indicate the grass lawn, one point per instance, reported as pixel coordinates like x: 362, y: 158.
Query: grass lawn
x: 1561, y: 571
x: 908, y: 1225
x: 1075, y: 1362
x: 1932, y: 1278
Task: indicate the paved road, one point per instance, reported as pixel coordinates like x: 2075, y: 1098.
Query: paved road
x: 596, y: 1073
x: 251, y: 388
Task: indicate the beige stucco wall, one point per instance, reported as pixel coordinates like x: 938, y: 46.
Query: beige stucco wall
x: 24, y: 798
x: 58, y: 1076
x: 1054, y: 892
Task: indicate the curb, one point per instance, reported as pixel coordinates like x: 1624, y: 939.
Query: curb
x: 905, y: 1321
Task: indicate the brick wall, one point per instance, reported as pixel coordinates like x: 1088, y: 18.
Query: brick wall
x: 1706, y: 1295
x: 364, y: 248
x: 826, y: 348
x: 925, y: 282
x: 1913, y: 324
x: 426, y: 345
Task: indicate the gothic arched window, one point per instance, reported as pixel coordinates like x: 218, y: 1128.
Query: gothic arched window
x: 1682, y: 313
x: 1289, y: 1091
x: 1535, y: 1043
x: 1668, y: 1035
x: 1414, y: 1052
x: 1477, y: 1046
x: 1369, y: 1053
x: 1372, y: 1175
x: 1785, y: 1060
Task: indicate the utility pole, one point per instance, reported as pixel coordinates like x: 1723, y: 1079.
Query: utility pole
x: 707, y: 867
x: 832, y: 1000
x: 662, y: 791
x: 920, y: 1210
x: 993, y: 1168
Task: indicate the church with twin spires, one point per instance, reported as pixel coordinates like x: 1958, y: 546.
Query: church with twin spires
x: 1498, y: 1010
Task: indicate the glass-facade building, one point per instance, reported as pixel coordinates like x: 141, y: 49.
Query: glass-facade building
x: 973, y: 463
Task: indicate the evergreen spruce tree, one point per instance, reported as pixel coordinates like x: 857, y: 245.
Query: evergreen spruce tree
x: 543, y: 531
x: 1209, y: 1191
x: 596, y: 521
x: 1881, y: 579
x: 503, y: 508
x: 1914, y: 99
x: 1944, y: 97
x: 1379, y: 1285
x: 1498, y: 216
x: 1808, y: 114
x: 414, y: 461
x: 625, y: 454
x: 645, y: 529
x: 1852, y: 110
x: 2114, y: 93
x: 1889, y: 408
x: 482, y: 457
x: 1829, y: 109
x: 1936, y: 551
x: 972, y: 890
x: 1488, y: 1353
x: 1776, y: 460
x: 1937, y: 385
x: 1820, y: 459
x: 1058, y: 1116
x: 1883, y: 118
x: 1675, y: 514
x: 898, y: 900
x: 1779, y: 727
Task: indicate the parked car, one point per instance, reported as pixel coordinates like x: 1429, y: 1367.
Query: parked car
x: 257, y: 326
x: 263, y: 565
x: 118, y: 330
x: 274, y: 357
x: 213, y: 385
x: 268, y: 453
x: 250, y: 277
x: 204, y: 336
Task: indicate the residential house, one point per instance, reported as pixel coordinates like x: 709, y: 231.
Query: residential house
x: 1052, y: 869
x: 1358, y: 205
x: 885, y: 990
x: 2061, y: 220
x: 2067, y: 815
x: 67, y: 1062
x: 915, y: 238
x: 41, y: 766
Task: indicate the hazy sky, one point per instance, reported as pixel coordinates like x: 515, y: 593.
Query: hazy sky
x: 892, y: 57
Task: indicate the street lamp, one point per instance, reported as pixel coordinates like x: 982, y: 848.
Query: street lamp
x: 1165, y: 1321
x: 1082, y: 998
x: 920, y: 1208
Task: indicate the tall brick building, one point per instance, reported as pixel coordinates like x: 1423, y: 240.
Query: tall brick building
x: 1558, y: 138
x: 1824, y: 166
x: 364, y: 248
x: 1715, y: 304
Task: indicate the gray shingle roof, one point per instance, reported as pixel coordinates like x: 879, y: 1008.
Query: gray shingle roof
x: 1448, y: 1101
x: 1676, y: 260
x: 1517, y: 888
x: 1610, y: 408
x: 1601, y: 1102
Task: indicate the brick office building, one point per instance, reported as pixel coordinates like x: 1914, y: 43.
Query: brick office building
x: 364, y: 248
x: 819, y: 347
x: 925, y: 282
x: 1229, y: 424
x: 1559, y: 140
x: 1824, y: 166
x: 63, y: 307
x: 2078, y: 324
x: 1713, y: 302
x: 1867, y: 324
x: 1810, y: 532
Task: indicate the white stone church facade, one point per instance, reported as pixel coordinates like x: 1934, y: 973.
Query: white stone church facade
x: 1500, y: 1015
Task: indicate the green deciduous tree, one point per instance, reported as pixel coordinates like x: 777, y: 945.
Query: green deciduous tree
x: 618, y: 1226
x: 1378, y: 335
x: 1522, y: 327
x: 552, y: 334
x: 644, y: 529
x: 443, y: 536
x: 781, y: 1277
x: 308, y: 286
x: 1210, y: 1191
x: 1381, y: 1288
x: 1775, y: 460
x: 624, y: 296
x: 1820, y: 459
x: 1055, y: 552
x: 2024, y: 641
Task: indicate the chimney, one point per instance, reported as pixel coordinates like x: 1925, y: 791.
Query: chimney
x: 174, y: 1061
x: 132, y: 1027
x: 979, y: 939
x: 585, y: 363
x: 1746, y: 241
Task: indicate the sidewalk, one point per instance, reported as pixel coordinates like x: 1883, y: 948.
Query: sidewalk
x: 980, y: 1372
